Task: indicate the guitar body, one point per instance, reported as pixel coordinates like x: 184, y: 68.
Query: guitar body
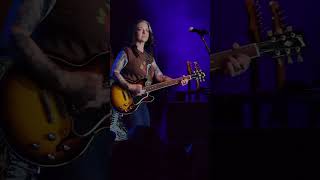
x: 38, y: 125
x: 124, y: 102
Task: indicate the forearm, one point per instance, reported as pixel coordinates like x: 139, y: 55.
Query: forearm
x: 122, y: 81
x: 162, y: 78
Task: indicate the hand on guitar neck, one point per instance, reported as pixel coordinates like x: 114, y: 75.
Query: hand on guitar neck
x: 237, y: 60
x: 184, y: 80
x: 237, y: 64
x: 231, y: 62
x: 136, y: 89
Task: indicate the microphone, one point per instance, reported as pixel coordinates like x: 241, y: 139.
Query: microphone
x: 199, y: 31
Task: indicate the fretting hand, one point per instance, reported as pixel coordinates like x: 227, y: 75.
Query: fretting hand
x: 238, y: 63
x: 184, y: 80
x: 136, y: 89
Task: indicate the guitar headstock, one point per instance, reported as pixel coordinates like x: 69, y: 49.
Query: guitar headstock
x: 255, y: 19
x: 286, y: 44
x: 197, y: 73
x: 283, y: 41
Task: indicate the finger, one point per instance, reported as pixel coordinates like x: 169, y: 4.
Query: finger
x: 244, y: 60
x: 184, y: 82
x: 139, y: 87
x: 235, y: 64
x: 230, y: 69
x: 235, y: 46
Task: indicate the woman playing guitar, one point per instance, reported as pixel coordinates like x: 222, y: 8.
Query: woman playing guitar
x: 136, y: 63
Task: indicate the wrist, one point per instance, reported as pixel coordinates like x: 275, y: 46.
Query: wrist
x: 129, y: 86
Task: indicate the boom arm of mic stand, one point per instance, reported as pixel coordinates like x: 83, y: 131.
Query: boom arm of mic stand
x: 205, y: 43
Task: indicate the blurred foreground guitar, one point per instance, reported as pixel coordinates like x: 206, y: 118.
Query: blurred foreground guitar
x: 125, y: 102
x: 44, y: 127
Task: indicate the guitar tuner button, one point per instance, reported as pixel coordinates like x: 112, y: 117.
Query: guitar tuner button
x: 36, y: 146
x: 51, y: 157
x: 292, y: 34
x: 51, y: 137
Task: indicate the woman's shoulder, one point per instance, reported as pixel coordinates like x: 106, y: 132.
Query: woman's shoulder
x: 127, y: 49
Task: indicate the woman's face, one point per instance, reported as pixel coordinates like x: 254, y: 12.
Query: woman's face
x: 142, y: 32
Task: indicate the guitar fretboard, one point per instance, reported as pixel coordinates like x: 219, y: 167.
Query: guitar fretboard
x: 165, y: 84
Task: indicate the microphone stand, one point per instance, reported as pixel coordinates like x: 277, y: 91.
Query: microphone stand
x: 208, y: 50
x: 205, y: 43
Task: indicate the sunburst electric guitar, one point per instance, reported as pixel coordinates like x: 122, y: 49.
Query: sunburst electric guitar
x: 42, y: 126
x: 125, y: 102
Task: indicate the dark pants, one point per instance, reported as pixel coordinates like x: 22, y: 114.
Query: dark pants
x: 137, y: 121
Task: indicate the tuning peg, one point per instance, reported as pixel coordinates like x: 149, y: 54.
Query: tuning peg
x: 278, y: 53
x: 300, y: 58
x: 298, y: 49
x: 283, y: 37
x: 288, y: 51
x: 299, y: 37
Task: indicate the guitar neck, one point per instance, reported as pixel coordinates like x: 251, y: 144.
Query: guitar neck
x: 216, y: 60
x: 158, y: 86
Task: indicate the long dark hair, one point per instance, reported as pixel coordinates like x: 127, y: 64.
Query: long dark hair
x: 149, y: 45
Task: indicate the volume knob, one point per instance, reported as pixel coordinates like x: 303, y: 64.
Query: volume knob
x: 51, y: 157
x: 51, y: 137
